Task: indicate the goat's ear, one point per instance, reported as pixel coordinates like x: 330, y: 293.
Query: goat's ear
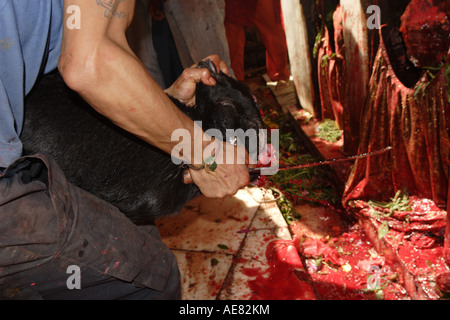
x: 208, y: 64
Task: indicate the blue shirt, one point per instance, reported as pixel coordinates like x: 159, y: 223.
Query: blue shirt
x: 30, y: 44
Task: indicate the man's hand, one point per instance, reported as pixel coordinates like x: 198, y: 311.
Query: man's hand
x: 230, y: 175
x: 183, y: 89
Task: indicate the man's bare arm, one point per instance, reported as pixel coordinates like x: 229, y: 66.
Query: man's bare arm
x: 97, y: 62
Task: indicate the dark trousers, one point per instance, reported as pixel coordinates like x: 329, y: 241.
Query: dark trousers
x: 55, y: 236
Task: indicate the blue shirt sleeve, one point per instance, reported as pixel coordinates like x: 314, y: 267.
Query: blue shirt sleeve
x: 30, y: 44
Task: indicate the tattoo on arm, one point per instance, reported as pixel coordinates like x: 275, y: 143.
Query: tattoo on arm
x: 111, y: 8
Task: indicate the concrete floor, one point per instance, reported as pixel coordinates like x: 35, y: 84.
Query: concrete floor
x: 217, y: 240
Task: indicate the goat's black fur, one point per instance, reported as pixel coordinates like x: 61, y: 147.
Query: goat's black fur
x: 114, y: 165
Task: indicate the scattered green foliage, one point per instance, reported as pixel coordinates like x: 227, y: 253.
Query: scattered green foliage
x: 305, y: 183
x: 329, y: 131
x: 287, y: 142
x: 431, y: 73
x: 326, y: 58
x: 223, y: 247
x: 286, y: 207
x: 291, y: 187
x: 383, y: 230
x: 421, y: 87
x: 324, y: 61
x: 317, y: 42
x: 375, y: 286
x: 214, y: 262
x: 400, y: 202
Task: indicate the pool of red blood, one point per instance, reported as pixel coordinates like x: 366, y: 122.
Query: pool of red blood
x: 280, y: 281
x: 347, y: 276
x: 344, y: 266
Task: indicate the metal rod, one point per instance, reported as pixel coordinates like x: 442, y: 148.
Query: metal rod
x: 325, y: 162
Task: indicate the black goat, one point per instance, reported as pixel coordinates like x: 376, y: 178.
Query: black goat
x: 99, y: 157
